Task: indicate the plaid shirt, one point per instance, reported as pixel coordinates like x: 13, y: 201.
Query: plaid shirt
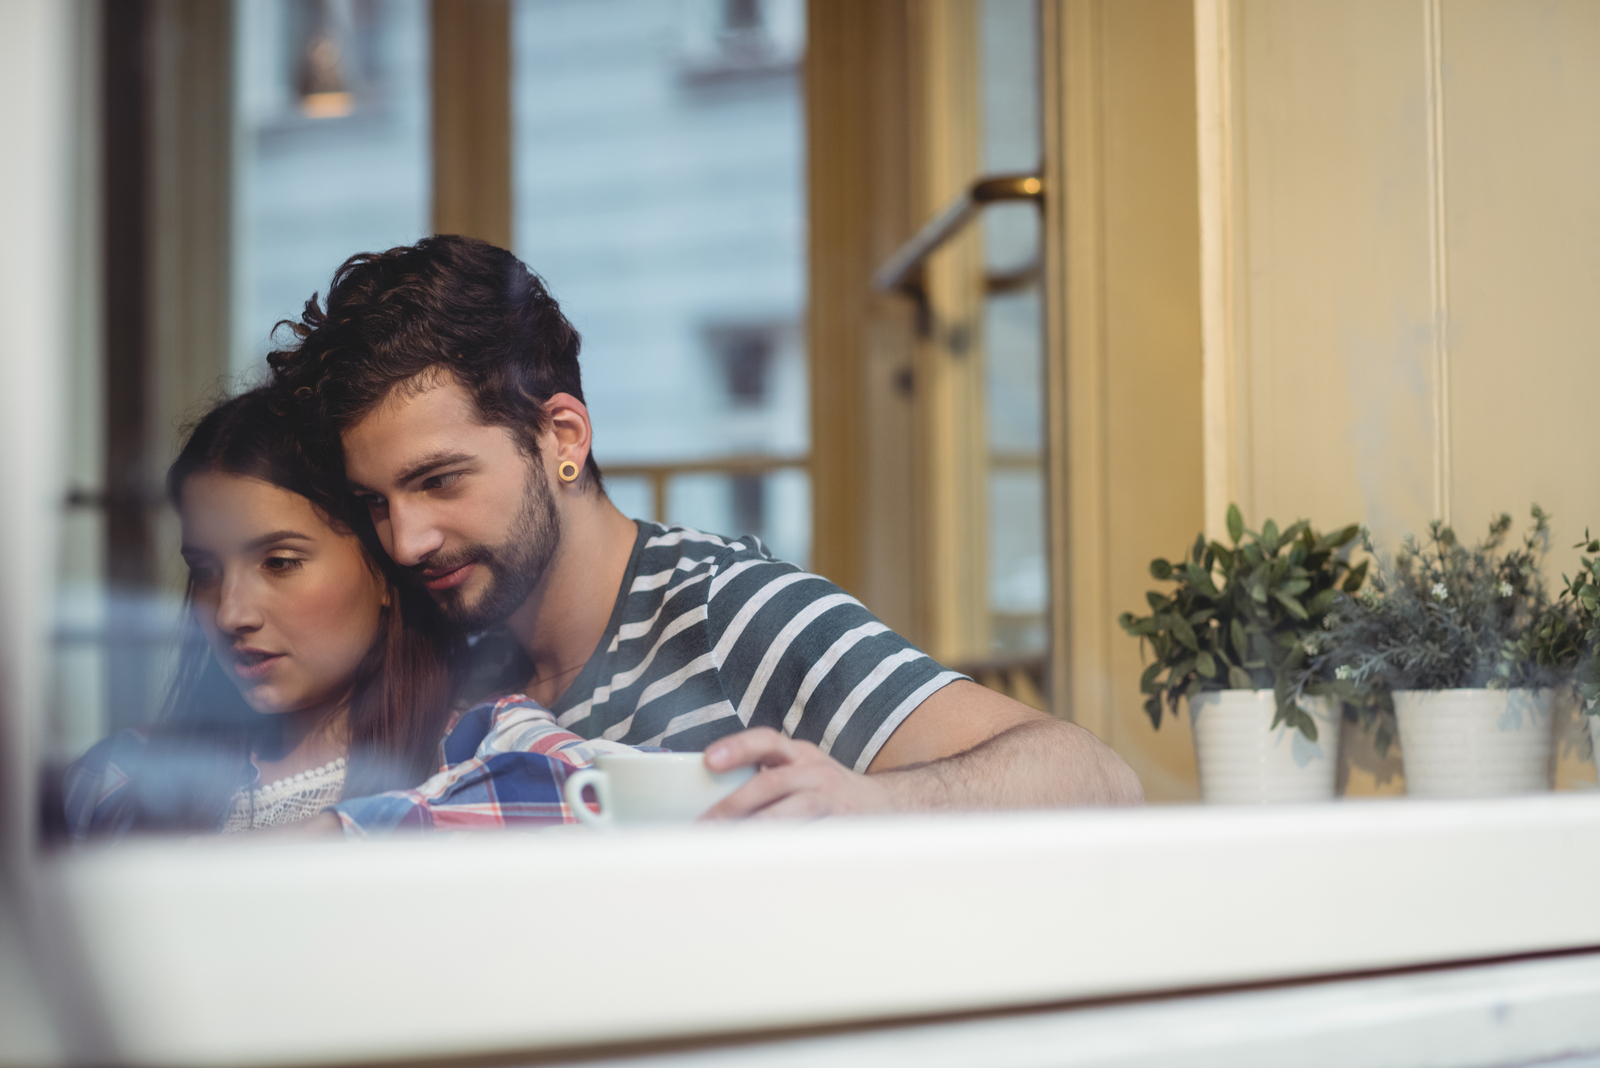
x: 503, y: 764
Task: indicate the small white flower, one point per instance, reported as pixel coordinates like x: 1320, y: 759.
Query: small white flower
x: 1369, y: 596
x: 1345, y: 671
x: 1439, y: 592
x: 1330, y: 621
x: 1505, y: 589
x: 1309, y: 646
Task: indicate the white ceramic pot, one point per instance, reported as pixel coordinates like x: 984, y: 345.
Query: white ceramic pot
x: 1475, y: 743
x: 1594, y: 738
x: 1244, y: 760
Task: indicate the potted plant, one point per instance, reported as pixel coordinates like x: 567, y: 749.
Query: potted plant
x: 1572, y: 633
x: 1466, y: 646
x: 1236, y: 638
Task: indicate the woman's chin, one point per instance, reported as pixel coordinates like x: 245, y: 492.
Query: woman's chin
x: 267, y: 699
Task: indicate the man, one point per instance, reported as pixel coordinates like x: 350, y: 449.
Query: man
x: 445, y: 380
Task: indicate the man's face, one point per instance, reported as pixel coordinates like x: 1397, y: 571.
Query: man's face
x: 454, y: 501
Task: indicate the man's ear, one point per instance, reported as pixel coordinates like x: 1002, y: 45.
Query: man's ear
x: 567, y: 438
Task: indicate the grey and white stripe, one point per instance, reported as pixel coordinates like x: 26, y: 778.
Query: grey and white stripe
x: 711, y: 635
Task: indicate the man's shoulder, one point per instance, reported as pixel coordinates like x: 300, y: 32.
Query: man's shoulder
x: 675, y: 559
x: 670, y: 544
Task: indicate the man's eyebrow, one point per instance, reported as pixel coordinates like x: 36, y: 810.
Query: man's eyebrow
x: 428, y: 463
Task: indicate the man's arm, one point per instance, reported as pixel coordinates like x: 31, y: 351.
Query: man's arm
x: 965, y: 747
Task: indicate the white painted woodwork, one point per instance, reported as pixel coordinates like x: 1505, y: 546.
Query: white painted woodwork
x: 418, y: 948
x: 1546, y: 1011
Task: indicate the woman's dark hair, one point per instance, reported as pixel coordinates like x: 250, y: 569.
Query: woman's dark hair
x: 448, y: 304
x: 402, y: 693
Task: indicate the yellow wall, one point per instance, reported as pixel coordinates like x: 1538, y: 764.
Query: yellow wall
x: 1414, y: 230
x: 1330, y: 260
x: 1122, y: 277
x: 1402, y: 244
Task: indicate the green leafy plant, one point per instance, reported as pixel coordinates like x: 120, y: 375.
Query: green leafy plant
x: 1569, y: 634
x: 1245, y: 616
x: 1447, y: 616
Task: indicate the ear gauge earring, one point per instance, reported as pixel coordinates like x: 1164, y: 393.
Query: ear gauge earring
x: 568, y: 471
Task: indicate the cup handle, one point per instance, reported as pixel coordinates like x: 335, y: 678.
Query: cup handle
x: 572, y: 790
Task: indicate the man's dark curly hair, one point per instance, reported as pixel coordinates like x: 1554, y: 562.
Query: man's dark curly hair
x: 445, y: 304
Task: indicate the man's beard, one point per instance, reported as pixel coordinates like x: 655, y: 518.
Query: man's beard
x: 515, y: 567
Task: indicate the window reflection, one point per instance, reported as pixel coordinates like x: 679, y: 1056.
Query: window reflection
x: 659, y: 166
x: 1018, y: 569
x: 332, y: 110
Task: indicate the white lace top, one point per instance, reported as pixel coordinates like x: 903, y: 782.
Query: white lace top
x: 299, y: 797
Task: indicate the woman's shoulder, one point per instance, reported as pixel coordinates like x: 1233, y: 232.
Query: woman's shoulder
x: 116, y: 750
x: 92, y: 785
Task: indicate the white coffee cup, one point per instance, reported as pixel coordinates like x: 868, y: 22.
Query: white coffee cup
x: 650, y: 788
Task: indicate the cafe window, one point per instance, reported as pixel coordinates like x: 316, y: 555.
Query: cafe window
x: 659, y: 190
x: 332, y: 136
x: 1380, y: 316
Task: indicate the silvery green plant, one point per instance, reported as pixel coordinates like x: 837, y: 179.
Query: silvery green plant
x: 1568, y: 636
x: 1245, y: 616
x: 1447, y: 616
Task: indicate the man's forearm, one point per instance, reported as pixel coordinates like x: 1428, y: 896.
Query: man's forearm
x: 1039, y: 764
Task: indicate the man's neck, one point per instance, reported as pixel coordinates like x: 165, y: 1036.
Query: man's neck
x: 563, y: 620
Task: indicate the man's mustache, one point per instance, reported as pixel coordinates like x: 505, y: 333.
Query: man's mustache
x: 439, y: 565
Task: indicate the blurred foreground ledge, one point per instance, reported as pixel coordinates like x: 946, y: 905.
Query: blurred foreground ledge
x: 1110, y: 937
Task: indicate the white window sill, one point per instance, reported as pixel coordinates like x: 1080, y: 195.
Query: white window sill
x: 248, y: 953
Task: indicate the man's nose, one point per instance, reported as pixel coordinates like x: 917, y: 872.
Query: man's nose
x: 237, y: 609
x: 411, y: 536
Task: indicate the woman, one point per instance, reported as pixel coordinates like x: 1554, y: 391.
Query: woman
x: 310, y: 675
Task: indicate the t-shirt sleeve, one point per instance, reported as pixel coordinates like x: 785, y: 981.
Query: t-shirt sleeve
x: 797, y: 653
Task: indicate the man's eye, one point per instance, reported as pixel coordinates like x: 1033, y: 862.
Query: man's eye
x: 370, y: 501
x: 441, y: 481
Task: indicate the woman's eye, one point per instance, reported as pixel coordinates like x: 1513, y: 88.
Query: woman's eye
x: 281, y: 564
x: 204, y: 576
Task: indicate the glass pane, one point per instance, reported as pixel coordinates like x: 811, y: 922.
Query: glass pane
x: 659, y: 155
x: 332, y: 100
x: 330, y: 158
x: 775, y: 507
x: 1013, y: 338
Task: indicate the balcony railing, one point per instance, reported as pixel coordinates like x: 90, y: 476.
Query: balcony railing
x: 660, y: 473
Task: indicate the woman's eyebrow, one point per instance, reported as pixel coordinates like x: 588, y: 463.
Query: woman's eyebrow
x: 275, y: 536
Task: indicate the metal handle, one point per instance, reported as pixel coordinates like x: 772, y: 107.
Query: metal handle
x: 898, y: 269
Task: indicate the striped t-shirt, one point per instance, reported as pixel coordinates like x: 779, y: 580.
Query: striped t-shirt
x: 710, y: 636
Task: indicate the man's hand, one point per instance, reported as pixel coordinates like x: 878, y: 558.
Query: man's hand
x: 796, y: 780
x: 964, y: 748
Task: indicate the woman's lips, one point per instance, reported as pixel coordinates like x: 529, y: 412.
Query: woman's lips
x: 448, y: 580
x: 253, y: 665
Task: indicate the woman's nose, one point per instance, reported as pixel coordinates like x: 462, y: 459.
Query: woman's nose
x: 237, y: 608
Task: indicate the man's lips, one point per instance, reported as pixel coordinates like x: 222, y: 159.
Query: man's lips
x: 254, y: 663
x: 448, y: 580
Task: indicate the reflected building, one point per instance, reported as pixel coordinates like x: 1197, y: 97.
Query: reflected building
x: 659, y: 169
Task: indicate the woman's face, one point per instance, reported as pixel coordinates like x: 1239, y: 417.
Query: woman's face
x: 288, y: 604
